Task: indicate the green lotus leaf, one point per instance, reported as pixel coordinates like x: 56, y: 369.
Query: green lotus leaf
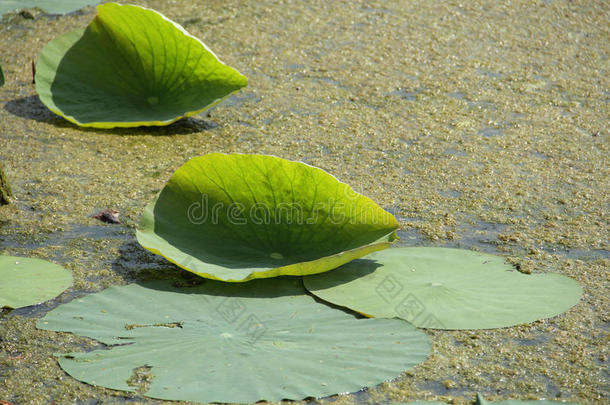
x: 131, y: 66
x: 25, y: 281
x: 238, y: 217
x: 50, y: 6
x: 229, y: 342
x: 442, y: 288
x: 1, y: 77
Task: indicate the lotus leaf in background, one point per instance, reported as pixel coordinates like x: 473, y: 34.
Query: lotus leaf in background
x: 50, y: 6
x: 26, y: 281
x: 230, y: 342
x: 443, y: 288
x: 130, y: 67
x: 238, y: 217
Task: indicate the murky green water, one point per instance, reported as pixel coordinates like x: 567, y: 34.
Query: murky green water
x: 479, y: 124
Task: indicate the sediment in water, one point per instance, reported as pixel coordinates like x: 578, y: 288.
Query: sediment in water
x: 5, y: 190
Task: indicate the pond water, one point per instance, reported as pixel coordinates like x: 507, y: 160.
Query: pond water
x: 480, y: 125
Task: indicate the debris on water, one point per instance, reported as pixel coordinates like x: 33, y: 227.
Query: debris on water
x: 109, y: 216
x: 27, y: 14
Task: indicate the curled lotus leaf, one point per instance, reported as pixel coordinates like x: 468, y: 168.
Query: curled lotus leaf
x: 237, y: 217
x: 131, y: 66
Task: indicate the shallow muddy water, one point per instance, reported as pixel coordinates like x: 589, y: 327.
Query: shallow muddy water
x: 479, y: 124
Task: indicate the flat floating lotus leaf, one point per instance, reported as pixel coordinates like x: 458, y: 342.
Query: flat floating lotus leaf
x: 25, y: 281
x: 50, y: 6
x: 227, y: 342
x: 238, y: 217
x: 131, y: 66
x: 442, y: 288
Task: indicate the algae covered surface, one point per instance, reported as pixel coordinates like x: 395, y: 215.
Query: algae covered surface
x: 480, y: 125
